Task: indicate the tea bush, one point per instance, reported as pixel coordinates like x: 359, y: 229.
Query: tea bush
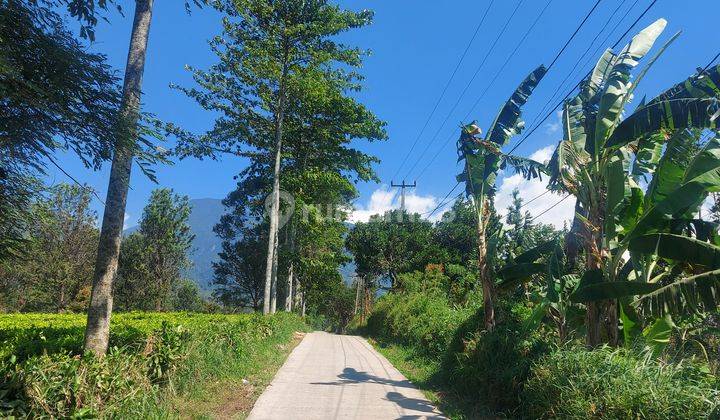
x: 43, y: 372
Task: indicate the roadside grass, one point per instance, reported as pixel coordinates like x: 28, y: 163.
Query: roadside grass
x: 233, y: 394
x: 426, y: 373
x: 161, y: 365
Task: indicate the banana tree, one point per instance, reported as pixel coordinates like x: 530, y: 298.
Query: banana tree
x: 483, y: 158
x: 603, y: 159
x: 544, y: 264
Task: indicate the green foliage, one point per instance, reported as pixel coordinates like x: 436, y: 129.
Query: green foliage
x: 422, y: 320
x: 393, y: 243
x: 152, y: 259
x: 153, y: 357
x: 575, y: 383
x: 492, y: 367
x: 61, y: 244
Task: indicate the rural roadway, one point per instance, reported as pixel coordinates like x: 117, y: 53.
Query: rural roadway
x: 330, y: 376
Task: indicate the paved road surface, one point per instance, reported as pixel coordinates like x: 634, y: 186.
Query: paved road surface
x: 331, y: 376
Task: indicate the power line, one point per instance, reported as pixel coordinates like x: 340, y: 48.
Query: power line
x: 507, y: 60
x: 467, y: 86
x: 571, y: 73
x: 442, y: 201
x: 447, y: 84
x: 73, y: 179
x: 525, y: 137
x: 710, y: 63
x: 573, y: 35
x: 582, y: 23
x: 533, y: 199
x: 552, y: 207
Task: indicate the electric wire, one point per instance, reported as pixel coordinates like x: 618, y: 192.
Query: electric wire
x: 525, y: 137
x: 465, y: 89
x: 577, y: 30
x: 442, y: 94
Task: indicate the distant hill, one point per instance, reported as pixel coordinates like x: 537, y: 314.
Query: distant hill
x: 205, y: 215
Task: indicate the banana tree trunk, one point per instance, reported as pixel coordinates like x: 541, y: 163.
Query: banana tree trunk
x: 97, y: 332
x: 483, y: 266
x: 601, y: 319
x: 572, y: 238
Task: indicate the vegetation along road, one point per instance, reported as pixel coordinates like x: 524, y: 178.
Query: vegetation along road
x: 332, y: 376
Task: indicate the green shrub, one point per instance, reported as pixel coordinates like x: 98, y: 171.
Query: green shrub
x: 491, y: 367
x: 424, y: 320
x: 42, y: 373
x: 577, y: 384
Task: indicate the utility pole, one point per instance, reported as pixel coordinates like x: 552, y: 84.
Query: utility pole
x: 402, y: 191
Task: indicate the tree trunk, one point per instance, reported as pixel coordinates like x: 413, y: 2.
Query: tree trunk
x: 298, y: 294
x: 97, y: 332
x: 289, y: 294
x: 572, y: 238
x: 357, y: 295
x: 601, y: 319
x: 483, y: 267
x: 271, y: 266
x: 302, y: 306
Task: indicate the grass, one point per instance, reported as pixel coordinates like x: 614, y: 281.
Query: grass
x: 426, y: 373
x: 161, y: 365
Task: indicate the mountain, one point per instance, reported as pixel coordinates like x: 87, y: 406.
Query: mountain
x: 204, y: 216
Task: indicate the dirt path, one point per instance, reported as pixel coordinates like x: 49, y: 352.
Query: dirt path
x: 332, y: 376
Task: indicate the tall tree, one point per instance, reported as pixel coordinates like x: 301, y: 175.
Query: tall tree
x: 394, y: 243
x: 97, y: 333
x: 61, y: 247
x: 164, y: 227
x: 157, y: 254
x: 239, y: 281
x: 280, y: 71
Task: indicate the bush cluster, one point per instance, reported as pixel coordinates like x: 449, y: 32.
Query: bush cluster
x: 520, y: 373
x: 617, y: 383
x: 43, y: 372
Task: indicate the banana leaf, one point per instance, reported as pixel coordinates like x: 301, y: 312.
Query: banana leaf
x: 648, y: 152
x: 699, y: 85
x: 592, y: 85
x: 508, y: 122
x: 618, y: 83
x: 678, y: 248
x: 515, y: 274
x: 483, y: 157
x: 670, y: 115
x: 612, y: 290
x: 537, y: 252
x: 529, y: 168
x: 701, y: 177
x: 670, y: 169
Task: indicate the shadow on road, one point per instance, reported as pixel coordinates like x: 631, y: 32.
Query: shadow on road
x: 352, y: 376
x: 412, y: 404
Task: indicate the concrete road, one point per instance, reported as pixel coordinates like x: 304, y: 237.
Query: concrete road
x: 331, y: 376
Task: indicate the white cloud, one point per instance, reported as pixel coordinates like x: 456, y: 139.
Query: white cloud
x: 529, y: 190
x: 554, y: 127
x: 383, y: 199
x: 126, y: 218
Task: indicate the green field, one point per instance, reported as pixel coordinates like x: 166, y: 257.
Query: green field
x: 159, y: 365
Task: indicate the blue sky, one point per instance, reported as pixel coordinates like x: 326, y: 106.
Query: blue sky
x: 415, y: 47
